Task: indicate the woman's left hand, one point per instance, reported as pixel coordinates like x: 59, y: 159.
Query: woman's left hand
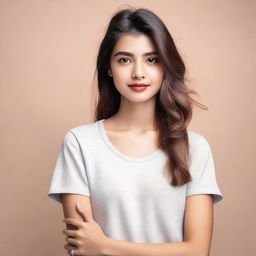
x: 88, y: 239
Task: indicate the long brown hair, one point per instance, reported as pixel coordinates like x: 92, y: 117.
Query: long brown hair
x: 174, y: 104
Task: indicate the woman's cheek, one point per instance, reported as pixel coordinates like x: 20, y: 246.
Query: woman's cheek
x: 157, y: 74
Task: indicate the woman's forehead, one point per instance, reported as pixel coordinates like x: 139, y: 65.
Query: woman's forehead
x: 137, y: 44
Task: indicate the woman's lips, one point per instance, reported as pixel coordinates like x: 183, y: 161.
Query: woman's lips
x: 138, y: 87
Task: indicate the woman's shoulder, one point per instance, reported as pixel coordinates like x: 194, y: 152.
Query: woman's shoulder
x: 84, y: 131
x: 84, y: 127
x: 197, y: 139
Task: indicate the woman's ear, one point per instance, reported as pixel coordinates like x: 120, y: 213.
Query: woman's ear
x: 109, y: 72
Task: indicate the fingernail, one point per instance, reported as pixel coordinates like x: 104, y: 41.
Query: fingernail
x: 78, y: 205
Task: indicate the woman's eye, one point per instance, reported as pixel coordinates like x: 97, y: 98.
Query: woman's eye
x: 151, y: 60
x: 120, y: 60
x: 154, y: 60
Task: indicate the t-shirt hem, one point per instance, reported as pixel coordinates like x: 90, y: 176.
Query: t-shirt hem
x: 56, y: 195
x: 217, y: 196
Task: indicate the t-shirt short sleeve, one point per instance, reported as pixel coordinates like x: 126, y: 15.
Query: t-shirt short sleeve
x: 202, y: 171
x: 69, y: 174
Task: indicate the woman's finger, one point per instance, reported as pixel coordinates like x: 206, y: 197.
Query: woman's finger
x: 85, y: 214
x: 69, y: 232
x: 71, y: 241
x: 70, y: 247
x: 74, y: 222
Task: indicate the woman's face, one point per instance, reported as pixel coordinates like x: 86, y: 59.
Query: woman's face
x: 134, y: 60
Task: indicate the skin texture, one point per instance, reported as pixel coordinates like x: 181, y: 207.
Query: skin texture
x: 132, y: 131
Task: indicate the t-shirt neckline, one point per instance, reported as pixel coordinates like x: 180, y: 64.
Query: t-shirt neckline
x: 119, y: 153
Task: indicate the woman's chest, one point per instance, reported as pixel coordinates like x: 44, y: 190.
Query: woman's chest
x: 134, y: 145
x: 115, y: 179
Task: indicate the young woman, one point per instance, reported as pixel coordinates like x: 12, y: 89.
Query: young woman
x: 146, y: 184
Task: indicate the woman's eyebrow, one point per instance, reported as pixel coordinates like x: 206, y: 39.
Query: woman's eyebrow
x: 132, y: 55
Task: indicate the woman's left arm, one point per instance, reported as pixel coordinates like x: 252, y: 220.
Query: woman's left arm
x: 198, y: 225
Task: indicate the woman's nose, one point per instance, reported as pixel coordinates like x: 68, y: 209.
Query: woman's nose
x: 138, y: 72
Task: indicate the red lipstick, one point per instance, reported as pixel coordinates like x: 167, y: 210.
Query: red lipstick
x: 138, y: 87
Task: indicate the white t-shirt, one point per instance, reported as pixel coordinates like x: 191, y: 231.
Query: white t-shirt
x: 131, y: 198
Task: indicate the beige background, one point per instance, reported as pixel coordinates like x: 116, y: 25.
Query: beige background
x: 47, y: 61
